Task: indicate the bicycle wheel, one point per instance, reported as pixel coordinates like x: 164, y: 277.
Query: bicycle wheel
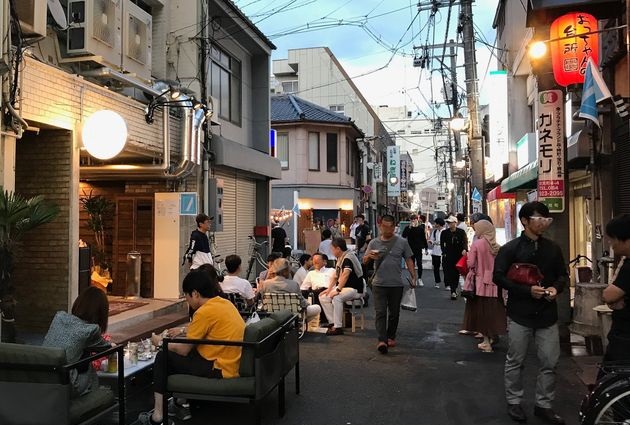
x: 610, y: 405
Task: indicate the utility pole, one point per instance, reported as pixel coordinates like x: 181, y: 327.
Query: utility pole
x: 477, y: 160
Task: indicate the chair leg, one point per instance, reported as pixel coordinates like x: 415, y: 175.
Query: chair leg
x: 297, y: 378
x: 353, y: 321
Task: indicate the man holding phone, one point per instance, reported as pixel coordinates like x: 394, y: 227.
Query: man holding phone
x: 387, y: 251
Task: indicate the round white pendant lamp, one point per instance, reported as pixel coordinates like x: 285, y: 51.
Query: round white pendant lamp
x: 104, y: 134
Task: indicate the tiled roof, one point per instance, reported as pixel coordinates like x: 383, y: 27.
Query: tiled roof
x: 289, y: 108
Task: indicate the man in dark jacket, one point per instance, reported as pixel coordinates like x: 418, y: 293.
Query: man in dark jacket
x: 416, y: 236
x: 532, y: 311
x: 454, y: 244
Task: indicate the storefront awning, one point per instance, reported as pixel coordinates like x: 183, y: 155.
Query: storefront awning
x: 497, y: 193
x: 525, y: 178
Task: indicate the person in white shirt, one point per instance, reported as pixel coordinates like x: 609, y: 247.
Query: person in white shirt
x: 325, y: 246
x: 353, y: 227
x: 461, y: 222
x: 319, y: 278
x: 233, y: 283
x: 305, y: 265
x: 436, y: 249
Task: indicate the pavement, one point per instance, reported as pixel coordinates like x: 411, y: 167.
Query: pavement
x: 434, y: 376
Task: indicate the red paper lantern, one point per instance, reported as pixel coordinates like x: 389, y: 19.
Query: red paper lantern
x: 569, y: 56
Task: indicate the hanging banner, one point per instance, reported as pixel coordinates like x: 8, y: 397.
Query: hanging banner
x: 393, y: 171
x: 498, y: 125
x: 404, y: 175
x: 569, y: 56
x: 550, y: 135
x: 377, y: 173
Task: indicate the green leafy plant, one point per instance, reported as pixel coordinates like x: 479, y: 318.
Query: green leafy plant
x: 98, y: 209
x: 18, y: 215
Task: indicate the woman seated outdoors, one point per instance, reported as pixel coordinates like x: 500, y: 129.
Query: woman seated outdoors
x: 79, y: 330
x: 214, y: 318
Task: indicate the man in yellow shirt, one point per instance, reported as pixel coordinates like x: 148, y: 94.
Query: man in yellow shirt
x: 214, y: 318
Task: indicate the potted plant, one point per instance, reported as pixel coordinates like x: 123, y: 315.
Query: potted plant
x: 98, y: 209
x: 17, y: 216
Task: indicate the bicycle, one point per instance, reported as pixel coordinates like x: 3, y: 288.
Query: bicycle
x: 609, y: 401
x: 216, y: 257
x: 255, y: 256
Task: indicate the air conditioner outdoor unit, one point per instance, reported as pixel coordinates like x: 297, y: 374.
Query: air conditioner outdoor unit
x: 94, y: 30
x: 137, y: 40
x: 32, y: 15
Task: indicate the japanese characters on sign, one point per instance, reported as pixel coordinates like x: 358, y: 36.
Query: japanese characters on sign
x: 569, y: 56
x: 550, y: 135
x: 393, y: 171
x: 498, y: 134
x: 377, y: 173
x: 404, y: 175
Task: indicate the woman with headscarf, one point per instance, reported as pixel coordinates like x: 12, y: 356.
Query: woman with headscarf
x: 486, y: 312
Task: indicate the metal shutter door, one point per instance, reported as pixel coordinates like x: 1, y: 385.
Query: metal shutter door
x: 225, y: 240
x: 246, y: 213
x: 621, y: 137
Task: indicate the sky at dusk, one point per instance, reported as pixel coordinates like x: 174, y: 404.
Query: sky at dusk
x: 376, y: 38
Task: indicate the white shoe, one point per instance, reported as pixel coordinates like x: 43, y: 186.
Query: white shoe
x: 420, y: 283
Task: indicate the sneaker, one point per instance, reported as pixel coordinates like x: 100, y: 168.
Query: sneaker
x: 420, y: 283
x: 391, y: 343
x: 382, y: 347
x: 144, y: 418
x: 179, y: 411
x: 453, y: 295
x: 437, y: 286
x: 447, y: 288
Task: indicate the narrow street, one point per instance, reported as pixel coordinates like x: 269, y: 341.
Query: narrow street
x: 435, y: 376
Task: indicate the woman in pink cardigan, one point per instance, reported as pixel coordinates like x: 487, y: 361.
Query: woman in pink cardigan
x: 487, y: 312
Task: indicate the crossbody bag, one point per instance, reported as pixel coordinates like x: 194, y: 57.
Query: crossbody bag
x: 385, y: 254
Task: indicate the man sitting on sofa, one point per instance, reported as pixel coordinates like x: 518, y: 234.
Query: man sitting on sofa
x: 214, y: 318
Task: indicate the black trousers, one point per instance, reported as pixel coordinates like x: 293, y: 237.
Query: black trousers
x: 192, y: 364
x: 387, y: 310
x: 451, y: 275
x: 417, y: 257
x: 436, y: 260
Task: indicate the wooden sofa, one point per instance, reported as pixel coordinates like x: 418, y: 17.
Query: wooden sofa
x: 35, y: 388
x: 270, y: 351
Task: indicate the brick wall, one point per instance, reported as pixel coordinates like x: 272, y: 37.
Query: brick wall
x: 41, y: 265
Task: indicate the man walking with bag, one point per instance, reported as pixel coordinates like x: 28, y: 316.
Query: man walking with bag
x: 532, y: 310
x: 387, y: 251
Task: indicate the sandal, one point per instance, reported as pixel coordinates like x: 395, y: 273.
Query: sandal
x: 465, y: 332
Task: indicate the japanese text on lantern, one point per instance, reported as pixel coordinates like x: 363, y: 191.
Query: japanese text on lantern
x: 571, y: 46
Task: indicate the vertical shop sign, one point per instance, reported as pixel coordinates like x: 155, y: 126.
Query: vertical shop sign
x: 393, y: 171
x: 498, y: 131
x: 403, y: 175
x: 572, y: 45
x: 550, y: 135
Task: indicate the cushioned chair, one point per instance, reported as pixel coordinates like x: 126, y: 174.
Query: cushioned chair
x: 269, y: 352
x: 283, y: 301
x: 35, y: 388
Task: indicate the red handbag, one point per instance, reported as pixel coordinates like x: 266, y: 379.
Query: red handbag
x: 462, y: 265
x: 525, y: 274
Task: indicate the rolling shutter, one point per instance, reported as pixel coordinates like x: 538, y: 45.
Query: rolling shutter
x: 621, y: 138
x: 225, y: 240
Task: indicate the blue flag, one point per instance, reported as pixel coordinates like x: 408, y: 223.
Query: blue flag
x: 593, y: 92
x: 296, y: 210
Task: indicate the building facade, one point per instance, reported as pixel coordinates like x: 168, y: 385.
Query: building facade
x: 149, y: 74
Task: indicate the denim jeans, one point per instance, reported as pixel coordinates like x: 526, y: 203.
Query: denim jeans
x: 387, y: 310
x: 333, y: 307
x: 548, y: 350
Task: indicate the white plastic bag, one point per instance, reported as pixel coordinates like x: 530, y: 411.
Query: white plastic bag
x: 408, y: 301
x: 253, y: 319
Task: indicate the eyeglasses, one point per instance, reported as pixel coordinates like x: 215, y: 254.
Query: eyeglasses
x: 547, y: 220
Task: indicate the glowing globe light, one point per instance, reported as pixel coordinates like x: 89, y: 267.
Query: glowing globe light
x: 104, y: 134
x: 537, y: 50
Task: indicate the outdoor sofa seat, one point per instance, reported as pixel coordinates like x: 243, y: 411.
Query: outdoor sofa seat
x: 36, y: 389
x: 269, y: 352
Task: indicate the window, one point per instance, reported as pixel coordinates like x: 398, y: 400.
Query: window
x: 331, y: 152
x: 290, y: 86
x: 337, y: 108
x: 283, y: 150
x: 313, y: 151
x: 225, y: 84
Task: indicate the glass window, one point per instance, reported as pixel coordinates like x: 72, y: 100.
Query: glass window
x: 283, y: 150
x: 225, y: 85
x: 337, y: 108
x: 290, y: 86
x: 331, y: 152
x: 313, y: 151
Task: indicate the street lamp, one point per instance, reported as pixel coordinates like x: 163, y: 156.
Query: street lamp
x: 458, y: 123
x: 537, y: 50
x: 450, y: 185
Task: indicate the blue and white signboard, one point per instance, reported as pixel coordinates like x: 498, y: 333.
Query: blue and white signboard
x: 476, y: 196
x: 188, y: 203
x: 393, y: 171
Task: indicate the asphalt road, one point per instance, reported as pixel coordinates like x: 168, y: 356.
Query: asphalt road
x: 434, y: 376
